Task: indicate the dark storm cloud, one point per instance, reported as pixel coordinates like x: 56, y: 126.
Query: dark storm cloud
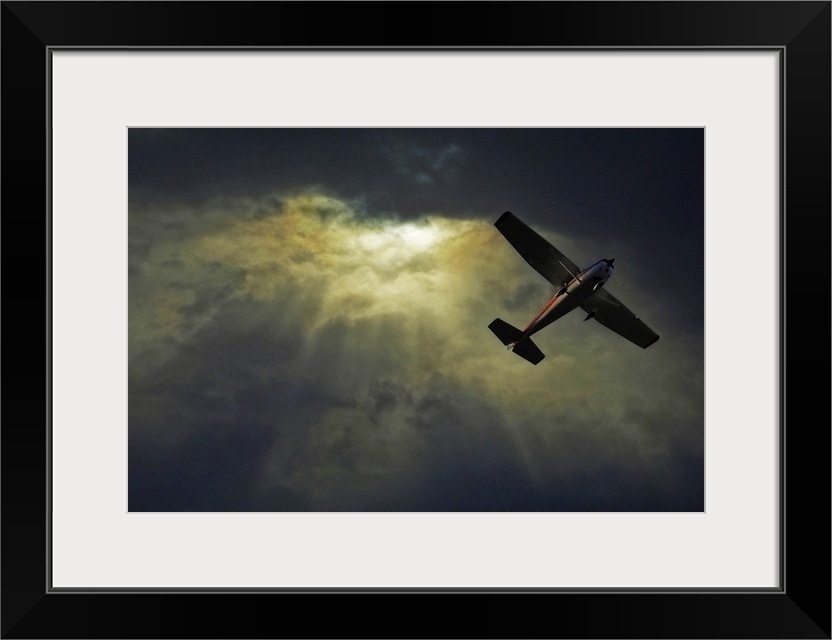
x: 295, y: 353
x: 425, y: 165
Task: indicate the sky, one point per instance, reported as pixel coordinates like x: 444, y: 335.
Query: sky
x: 309, y: 311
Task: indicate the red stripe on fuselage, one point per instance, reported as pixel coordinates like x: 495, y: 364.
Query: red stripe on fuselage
x: 534, y: 322
x: 549, y: 306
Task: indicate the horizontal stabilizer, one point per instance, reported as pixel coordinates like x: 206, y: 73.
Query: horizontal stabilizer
x: 504, y: 331
x: 528, y: 350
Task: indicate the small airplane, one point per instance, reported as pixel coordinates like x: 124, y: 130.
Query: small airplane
x: 575, y: 288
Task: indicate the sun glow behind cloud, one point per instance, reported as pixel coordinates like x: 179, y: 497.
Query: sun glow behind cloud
x: 357, y: 349
x: 426, y: 288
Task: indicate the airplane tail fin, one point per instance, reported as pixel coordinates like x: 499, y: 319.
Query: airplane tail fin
x: 507, y: 334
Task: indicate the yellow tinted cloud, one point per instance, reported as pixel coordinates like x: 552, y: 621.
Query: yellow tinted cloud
x: 439, y: 280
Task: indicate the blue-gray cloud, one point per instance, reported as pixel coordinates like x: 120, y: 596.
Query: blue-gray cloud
x: 425, y: 165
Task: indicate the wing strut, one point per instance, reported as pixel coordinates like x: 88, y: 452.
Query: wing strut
x: 570, y: 273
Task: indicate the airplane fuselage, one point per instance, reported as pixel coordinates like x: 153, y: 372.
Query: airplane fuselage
x: 571, y: 296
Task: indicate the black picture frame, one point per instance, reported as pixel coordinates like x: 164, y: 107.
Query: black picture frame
x: 800, y: 31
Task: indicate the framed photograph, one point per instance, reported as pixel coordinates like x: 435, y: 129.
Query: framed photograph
x: 271, y: 263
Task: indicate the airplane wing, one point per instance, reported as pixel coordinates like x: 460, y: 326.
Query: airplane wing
x: 609, y: 311
x: 542, y: 256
